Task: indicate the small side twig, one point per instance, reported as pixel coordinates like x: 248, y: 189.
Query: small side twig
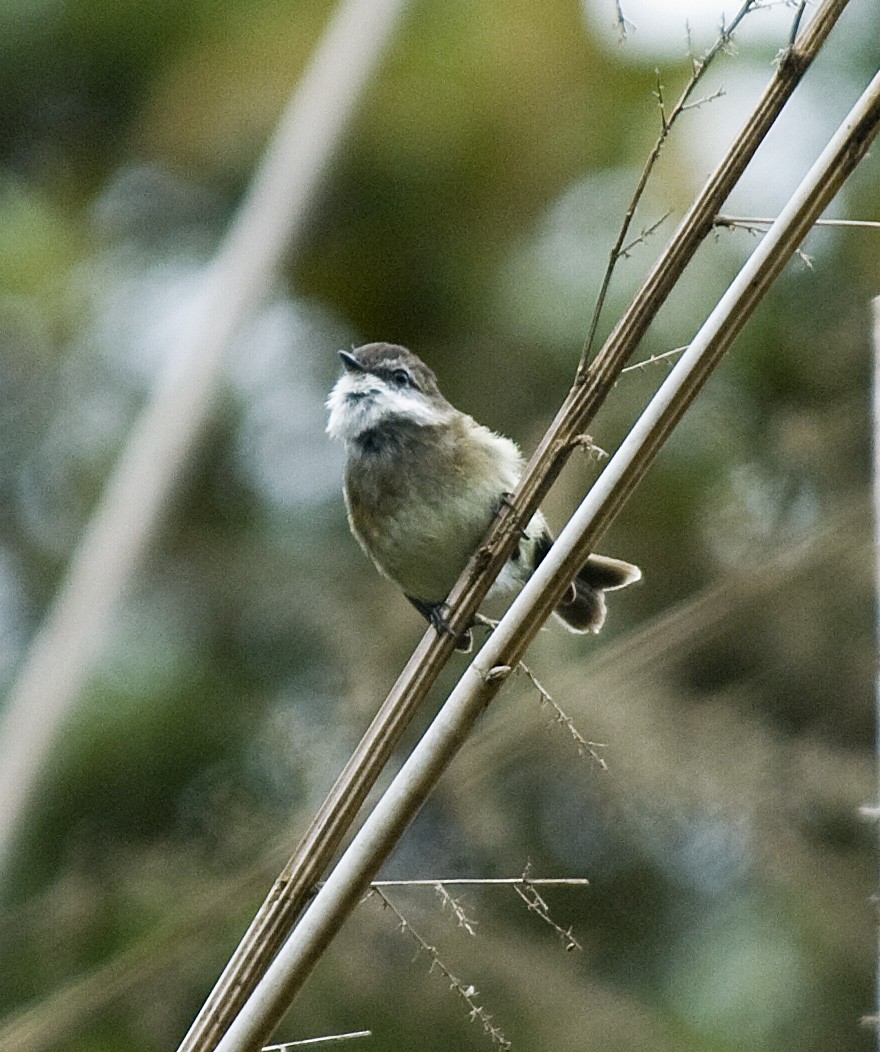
x: 667, y: 121
x: 756, y: 225
x: 644, y: 234
x: 584, y: 747
x: 665, y: 356
x: 451, y: 903
x: 796, y: 23
x: 540, y: 882
x: 314, y: 1042
x: 464, y: 921
x: 536, y: 904
x: 623, y: 23
x: 697, y: 103
x: 466, y: 991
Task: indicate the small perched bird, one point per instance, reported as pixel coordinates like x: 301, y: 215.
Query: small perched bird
x: 423, y: 482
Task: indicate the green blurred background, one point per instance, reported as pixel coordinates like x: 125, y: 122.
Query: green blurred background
x: 469, y: 215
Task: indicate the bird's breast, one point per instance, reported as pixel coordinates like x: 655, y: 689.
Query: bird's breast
x: 420, y: 508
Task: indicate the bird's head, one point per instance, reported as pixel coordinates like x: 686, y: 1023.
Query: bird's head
x: 383, y: 383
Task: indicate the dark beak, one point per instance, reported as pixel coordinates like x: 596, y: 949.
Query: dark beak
x: 352, y: 365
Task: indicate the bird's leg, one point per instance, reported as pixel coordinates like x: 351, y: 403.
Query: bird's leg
x: 436, y: 614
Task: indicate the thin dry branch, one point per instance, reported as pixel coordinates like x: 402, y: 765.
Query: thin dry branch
x: 450, y: 902
x: 316, y: 1042
x: 295, y: 884
x: 584, y: 747
x: 623, y: 23
x: 665, y: 356
x: 466, y: 991
x: 484, y: 882
x: 667, y: 121
x: 644, y: 234
x: 524, y: 886
x: 537, y: 905
x: 756, y: 225
x: 482, y: 680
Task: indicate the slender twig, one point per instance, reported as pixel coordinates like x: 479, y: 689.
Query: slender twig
x: 796, y: 23
x: 525, y: 886
x: 484, y: 882
x: 457, y: 910
x: 586, y: 444
x: 699, y: 66
x: 756, y: 225
x: 623, y: 23
x: 876, y: 495
x: 664, y: 357
x: 644, y: 234
x: 584, y: 747
x: 314, y: 1042
x: 691, y: 53
x: 466, y: 991
x: 697, y: 103
x: 537, y: 905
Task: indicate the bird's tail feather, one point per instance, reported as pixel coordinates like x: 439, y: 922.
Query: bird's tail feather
x: 583, y: 608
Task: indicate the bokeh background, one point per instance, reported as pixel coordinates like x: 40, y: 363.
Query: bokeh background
x: 469, y: 215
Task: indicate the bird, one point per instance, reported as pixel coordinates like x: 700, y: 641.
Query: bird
x: 423, y: 481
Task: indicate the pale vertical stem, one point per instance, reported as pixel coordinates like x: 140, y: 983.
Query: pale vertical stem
x: 131, y: 506
x: 875, y: 420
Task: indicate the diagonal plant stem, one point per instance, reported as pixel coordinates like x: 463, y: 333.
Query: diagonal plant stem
x: 131, y: 507
x: 295, y: 884
x: 505, y: 648
x: 466, y: 991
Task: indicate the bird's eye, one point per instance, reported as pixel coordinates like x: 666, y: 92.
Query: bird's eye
x: 401, y: 377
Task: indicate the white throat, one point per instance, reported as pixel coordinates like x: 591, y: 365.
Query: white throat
x: 360, y: 402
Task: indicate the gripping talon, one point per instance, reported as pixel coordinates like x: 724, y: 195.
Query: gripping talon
x: 437, y: 617
x: 435, y: 614
x: 506, y: 501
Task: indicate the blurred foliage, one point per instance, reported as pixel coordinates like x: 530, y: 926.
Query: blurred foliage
x: 470, y: 215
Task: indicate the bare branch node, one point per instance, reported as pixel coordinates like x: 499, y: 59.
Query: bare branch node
x: 592, y: 450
